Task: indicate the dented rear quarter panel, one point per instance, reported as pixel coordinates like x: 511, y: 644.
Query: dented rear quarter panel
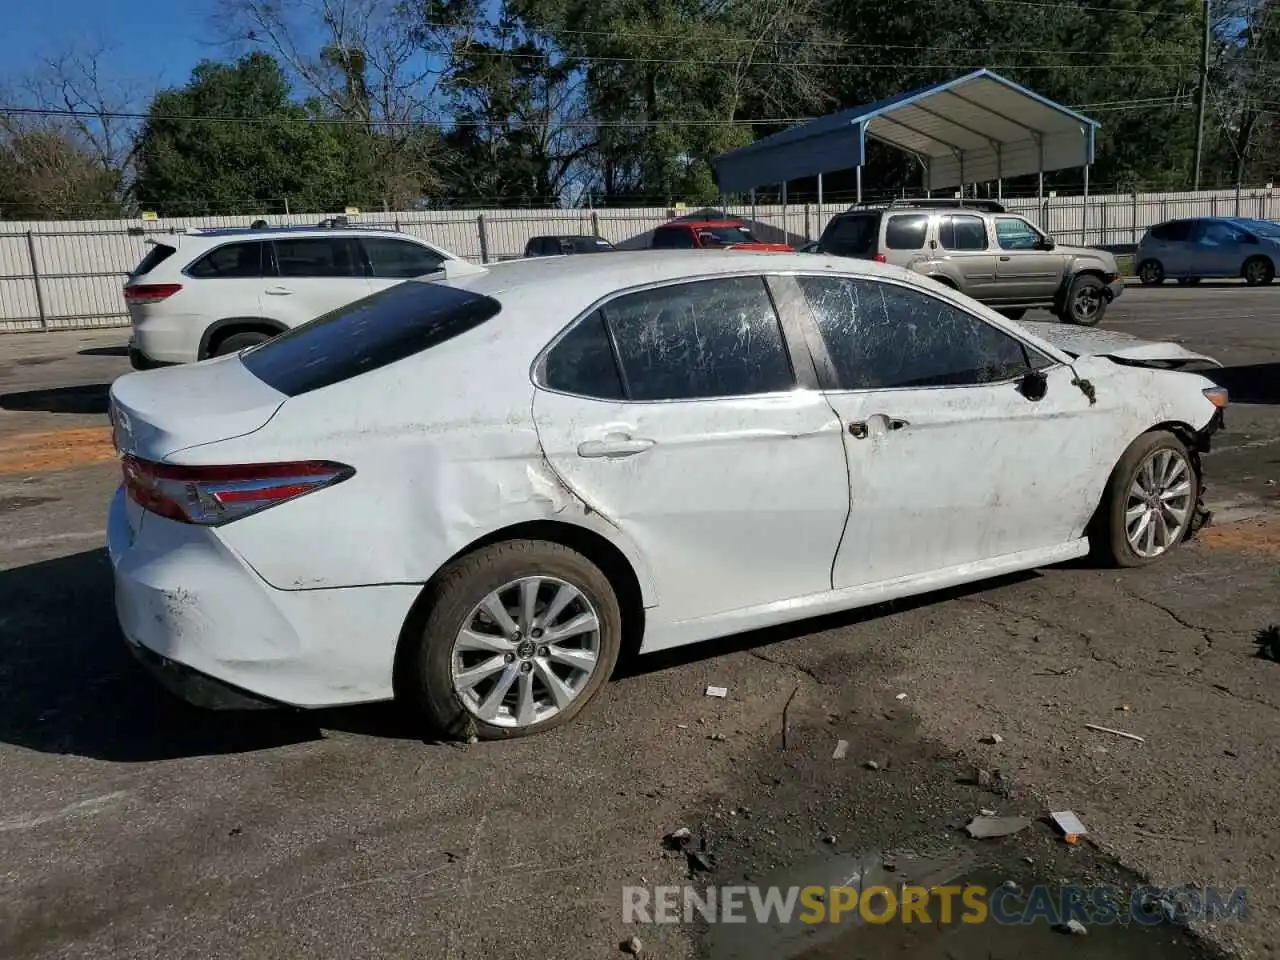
x: 427, y: 484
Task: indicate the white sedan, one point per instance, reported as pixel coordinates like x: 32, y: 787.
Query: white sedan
x: 473, y: 493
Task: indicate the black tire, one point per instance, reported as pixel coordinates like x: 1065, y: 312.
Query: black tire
x: 1151, y: 273
x: 237, y: 342
x: 1107, y: 535
x: 429, y: 678
x: 1013, y: 313
x: 1084, y: 289
x: 1258, y: 271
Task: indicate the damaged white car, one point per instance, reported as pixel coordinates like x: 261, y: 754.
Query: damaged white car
x: 474, y: 493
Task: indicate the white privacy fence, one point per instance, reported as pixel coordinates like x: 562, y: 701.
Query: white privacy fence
x: 64, y: 275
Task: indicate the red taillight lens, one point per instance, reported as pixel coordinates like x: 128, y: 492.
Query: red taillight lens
x: 150, y: 292
x: 212, y: 496
x: 881, y: 258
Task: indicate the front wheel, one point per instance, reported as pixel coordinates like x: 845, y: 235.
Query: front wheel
x: 1149, y: 503
x: 1258, y: 271
x: 519, y: 638
x: 1151, y: 272
x: 1085, y: 302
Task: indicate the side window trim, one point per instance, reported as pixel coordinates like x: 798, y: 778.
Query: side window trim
x: 829, y: 379
x: 788, y: 309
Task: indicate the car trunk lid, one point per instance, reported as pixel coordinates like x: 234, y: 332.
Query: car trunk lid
x: 1121, y: 347
x: 159, y: 412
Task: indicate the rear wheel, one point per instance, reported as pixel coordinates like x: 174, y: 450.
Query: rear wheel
x: 237, y: 342
x: 520, y: 637
x: 1149, y: 503
x: 1151, y: 272
x: 1085, y: 302
x: 1258, y: 271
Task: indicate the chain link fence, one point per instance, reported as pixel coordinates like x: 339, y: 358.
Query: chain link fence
x: 68, y: 275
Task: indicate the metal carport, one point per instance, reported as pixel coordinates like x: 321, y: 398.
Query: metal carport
x: 975, y: 128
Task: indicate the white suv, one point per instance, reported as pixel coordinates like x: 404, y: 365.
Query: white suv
x: 206, y: 293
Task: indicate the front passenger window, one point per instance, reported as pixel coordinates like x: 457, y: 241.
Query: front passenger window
x: 882, y: 336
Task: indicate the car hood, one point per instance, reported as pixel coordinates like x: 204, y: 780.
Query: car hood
x: 1094, y: 252
x: 1079, y: 342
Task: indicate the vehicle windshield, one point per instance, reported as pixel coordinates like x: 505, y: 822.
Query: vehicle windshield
x: 725, y: 236
x: 1264, y: 228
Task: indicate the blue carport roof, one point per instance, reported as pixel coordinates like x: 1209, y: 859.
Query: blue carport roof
x: 976, y: 127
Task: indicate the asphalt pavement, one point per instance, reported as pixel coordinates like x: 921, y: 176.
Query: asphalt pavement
x: 134, y: 826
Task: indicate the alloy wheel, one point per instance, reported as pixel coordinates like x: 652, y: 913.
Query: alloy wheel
x: 526, y: 652
x: 1158, y: 507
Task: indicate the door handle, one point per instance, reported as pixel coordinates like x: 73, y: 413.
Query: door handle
x: 279, y: 291
x: 614, y: 445
x: 1004, y: 258
x: 896, y: 424
x: 860, y: 429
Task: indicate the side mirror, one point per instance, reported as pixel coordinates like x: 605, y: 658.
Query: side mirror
x: 1034, y: 386
x: 1048, y: 243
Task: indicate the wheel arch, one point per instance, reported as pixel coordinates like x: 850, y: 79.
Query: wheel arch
x: 229, y: 326
x: 1189, y: 437
x: 597, y: 548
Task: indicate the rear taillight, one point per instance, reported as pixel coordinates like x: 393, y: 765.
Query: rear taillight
x: 211, y: 496
x: 150, y: 292
x: 881, y: 258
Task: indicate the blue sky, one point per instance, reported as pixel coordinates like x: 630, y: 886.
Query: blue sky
x: 154, y: 43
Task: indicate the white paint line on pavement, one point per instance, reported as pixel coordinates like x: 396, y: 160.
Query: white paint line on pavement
x: 83, y: 808
x: 29, y: 543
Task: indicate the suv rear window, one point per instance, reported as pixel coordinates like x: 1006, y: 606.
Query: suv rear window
x: 906, y: 231
x: 157, y: 255
x: 853, y: 236
x: 370, y: 333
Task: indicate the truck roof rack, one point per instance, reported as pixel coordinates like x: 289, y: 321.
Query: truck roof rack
x: 987, y: 206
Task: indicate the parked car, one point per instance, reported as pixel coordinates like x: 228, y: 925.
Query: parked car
x: 1207, y: 247
x: 206, y: 293
x: 710, y: 234
x: 562, y: 245
x: 339, y: 515
x: 998, y: 258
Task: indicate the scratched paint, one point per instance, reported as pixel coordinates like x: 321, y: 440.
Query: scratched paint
x: 27, y: 453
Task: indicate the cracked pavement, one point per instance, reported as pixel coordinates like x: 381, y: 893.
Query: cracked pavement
x: 133, y: 827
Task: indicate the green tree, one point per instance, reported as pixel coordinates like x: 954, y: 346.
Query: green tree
x: 232, y: 141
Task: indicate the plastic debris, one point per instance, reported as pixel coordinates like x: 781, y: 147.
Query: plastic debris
x: 1071, y: 826
x: 1114, y: 732
x: 901, y: 696
x: 841, y: 750
x: 680, y: 839
x: 634, y: 946
x: 983, y: 828
x: 1073, y: 927
x: 993, y: 738
x: 721, y: 692
x: 871, y: 765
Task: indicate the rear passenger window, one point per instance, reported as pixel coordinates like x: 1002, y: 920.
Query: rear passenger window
x: 234, y: 260
x: 851, y: 236
x: 317, y: 257
x: 882, y: 336
x: 906, y: 232
x: 582, y: 362
x: 962, y: 233
x: 399, y: 259
x: 708, y: 338
x: 158, y: 254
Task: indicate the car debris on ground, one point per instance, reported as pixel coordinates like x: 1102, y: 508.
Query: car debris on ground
x: 1073, y: 927
x: 993, y: 739
x: 985, y: 828
x: 720, y: 692
x: 633, y: 946
x: 1071, y: 826
x: 841, y: 750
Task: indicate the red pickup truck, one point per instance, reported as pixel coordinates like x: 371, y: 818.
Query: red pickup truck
x: 711, y: 235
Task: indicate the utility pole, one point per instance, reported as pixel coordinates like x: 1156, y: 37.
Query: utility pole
x: 1203, y: 94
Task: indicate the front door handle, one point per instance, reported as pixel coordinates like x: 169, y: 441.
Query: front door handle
x: 279, y: 291
x: 861, y: 429
x: 896, y: 424
x: 614, y: 445
x: 858, y: 429
x: 1003, y: 259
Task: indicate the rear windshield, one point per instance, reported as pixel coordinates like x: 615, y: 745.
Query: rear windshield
x: 370, y: 333
x: 851, y: 236
x: 157, y: 255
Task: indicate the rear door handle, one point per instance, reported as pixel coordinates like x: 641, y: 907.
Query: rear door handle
x: 860, y: 430
x: 614, y: 445
x: 279, y: 291
x: 896, y: 424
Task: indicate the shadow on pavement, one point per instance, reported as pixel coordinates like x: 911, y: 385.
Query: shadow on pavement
x: 1254, y: 383
x: 119, y: 351
x: 89, y: 398
x: 68, y: 684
